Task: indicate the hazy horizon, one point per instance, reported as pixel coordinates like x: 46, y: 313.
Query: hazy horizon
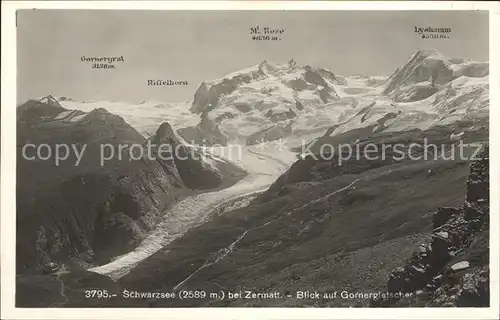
x: 194, y: 46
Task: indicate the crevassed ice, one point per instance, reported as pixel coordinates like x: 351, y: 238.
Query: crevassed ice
x: 195, y: 210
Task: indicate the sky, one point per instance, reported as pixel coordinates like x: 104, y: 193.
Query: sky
x: 194, y: 46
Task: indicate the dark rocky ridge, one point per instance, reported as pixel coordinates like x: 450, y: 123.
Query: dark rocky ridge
x: 85, y: 214
x: 206, y: 133
x: 472, y: 129
x: 194, y: 173
x: 275, y: 132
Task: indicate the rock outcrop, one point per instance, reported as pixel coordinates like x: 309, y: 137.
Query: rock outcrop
x: 206, y: 133
x: 32, y: 111
x: 274, y: 132
x: 334, y: 78
x: 281, y: 116
x: 193, y: 170
x: 452, y: 269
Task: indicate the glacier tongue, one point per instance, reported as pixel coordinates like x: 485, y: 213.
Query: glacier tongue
x: 196, y: 210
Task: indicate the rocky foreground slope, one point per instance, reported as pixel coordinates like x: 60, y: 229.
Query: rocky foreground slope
x: 452, y: 268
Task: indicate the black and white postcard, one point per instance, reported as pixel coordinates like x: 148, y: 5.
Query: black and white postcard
x: 186, y: 159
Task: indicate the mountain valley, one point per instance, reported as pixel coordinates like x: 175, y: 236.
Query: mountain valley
x: 276, y: 203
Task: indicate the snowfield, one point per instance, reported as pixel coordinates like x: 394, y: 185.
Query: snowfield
x: 145, y: 117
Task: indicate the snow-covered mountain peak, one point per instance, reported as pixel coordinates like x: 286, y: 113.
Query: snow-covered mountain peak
x: 50, y: 100
x: 265, y: 67
x: 270, y: 101
x: 268, y: 82
x: 429, y: 52
x: 426, y: 72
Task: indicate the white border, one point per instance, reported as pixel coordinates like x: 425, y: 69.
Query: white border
x: 8, y: 164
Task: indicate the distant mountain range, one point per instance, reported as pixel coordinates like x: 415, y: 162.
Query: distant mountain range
x: 268, y: 102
